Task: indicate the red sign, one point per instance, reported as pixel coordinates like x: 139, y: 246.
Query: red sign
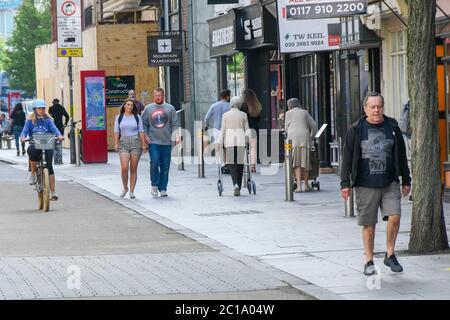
x: 13, y: 99
x: 334, y: 40
x: 68, y: 8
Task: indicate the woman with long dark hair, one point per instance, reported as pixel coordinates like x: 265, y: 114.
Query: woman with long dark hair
x: 252, y: 107
x: 130, y: 143
x: 18, y: 118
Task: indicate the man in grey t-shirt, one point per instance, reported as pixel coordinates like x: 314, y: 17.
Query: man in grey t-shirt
x: 160, y: 123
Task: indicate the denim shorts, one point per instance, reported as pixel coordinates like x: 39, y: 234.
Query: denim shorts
x: 369, y: 200
x: 131, y: 145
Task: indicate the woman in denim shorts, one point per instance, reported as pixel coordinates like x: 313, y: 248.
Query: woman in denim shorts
x: 130, y: 143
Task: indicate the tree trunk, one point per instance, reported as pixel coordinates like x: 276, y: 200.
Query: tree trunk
x: 428, y: 231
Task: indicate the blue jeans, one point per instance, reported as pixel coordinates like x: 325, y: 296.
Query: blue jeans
x: 16, y: 132
x: 160, y: 156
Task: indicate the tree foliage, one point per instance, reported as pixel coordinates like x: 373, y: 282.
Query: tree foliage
x: 32, y: 28
x: 3, y: 54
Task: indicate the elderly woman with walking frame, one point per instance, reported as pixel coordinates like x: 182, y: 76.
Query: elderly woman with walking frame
x: 301, y: 128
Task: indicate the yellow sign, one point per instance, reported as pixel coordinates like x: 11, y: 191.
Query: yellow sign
x: 288, y: 146
x: 70, y: 52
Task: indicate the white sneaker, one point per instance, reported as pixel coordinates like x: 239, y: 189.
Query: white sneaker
x: 124, y: 193
x: 237, y: 192
x: 132, y: 196
x: 164, y: 193
x: 54, y: 197
x: 31, y: 180
x: 154, y: 191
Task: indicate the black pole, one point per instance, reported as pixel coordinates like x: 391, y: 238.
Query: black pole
x: 72, y: 129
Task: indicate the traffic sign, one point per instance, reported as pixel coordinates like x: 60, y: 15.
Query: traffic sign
x: 69, y: 28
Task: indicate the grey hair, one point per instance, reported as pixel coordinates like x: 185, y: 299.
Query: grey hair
x: 236, y: 102
x: 293, y: 103
x: 372, y: 94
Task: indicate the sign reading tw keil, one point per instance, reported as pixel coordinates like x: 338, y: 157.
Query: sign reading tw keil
x: 314, y: 25
x: 69, y: 28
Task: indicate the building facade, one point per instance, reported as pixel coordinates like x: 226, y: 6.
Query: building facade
x: 8, y: 9
x: 114, y: 39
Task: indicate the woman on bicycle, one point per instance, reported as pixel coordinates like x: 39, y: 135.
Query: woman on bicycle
x: 40, y: 122
x: 130, y: 141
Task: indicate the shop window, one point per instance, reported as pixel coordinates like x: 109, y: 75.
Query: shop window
x: 399, y: 71
x: 88, y: 17
x: 236, y: 73
x: 2, y: 22
x: 308, y: 83
x: 174, y: 17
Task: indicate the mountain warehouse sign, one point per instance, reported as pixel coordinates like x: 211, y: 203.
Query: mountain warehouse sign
x: 164, y: 50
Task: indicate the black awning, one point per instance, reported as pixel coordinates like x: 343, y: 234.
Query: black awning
x: 256, y: 27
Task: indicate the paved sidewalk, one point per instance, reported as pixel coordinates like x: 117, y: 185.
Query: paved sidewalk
x: 309, y: 238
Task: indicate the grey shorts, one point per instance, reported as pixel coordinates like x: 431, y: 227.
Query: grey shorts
x: 369, y: 200
x: 131, y: 145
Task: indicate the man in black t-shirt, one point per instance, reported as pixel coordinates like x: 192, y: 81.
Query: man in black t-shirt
x: 57, y: 112
x: 374, y: 157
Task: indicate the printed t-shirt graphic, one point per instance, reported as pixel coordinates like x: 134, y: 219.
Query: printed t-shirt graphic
x: 159, y: 118
x: 377, y: 149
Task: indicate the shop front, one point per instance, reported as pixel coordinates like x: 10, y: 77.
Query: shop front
x: 244, y: 41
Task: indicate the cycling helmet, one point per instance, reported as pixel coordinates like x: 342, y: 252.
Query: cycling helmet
x: 39, y: 103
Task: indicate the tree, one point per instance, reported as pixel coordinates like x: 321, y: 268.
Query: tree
x: 3, y: 54
x: 32, y: 28
x: 428, y: 231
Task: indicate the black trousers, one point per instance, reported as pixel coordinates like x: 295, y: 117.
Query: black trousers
x: 35, y: 155
x: 235, y: 161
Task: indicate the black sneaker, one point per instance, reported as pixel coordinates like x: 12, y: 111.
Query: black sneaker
x: 369, y: 268
x: 392, y: 262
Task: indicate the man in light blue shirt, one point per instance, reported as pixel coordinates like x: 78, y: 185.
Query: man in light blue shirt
x: 216, y: 112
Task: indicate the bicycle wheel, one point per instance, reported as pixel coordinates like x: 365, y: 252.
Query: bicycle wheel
x: 39, y: 191
x: 46, y: 190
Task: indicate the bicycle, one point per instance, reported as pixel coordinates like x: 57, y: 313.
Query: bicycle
x: 43, y: 141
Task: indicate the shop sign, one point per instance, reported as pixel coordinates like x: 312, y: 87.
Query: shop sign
x: 320, y: 9
x: 117, y: 88
x: 222, y: 34
x: 256, y: 27
x: 297, y: 35
x: 164, y: 50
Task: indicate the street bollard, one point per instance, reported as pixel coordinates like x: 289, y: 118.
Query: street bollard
x: 288, y: 170
x: 77, y: 148
x: 350, y: 206
x: 201, y: 162
x: 58, y: 152
x: 181, y: 153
